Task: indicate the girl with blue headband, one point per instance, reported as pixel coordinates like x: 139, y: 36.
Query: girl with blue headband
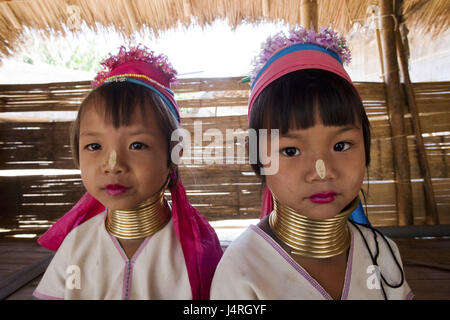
x: 305, y: 246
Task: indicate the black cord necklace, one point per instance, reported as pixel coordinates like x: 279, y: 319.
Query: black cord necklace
x: 374, y: 257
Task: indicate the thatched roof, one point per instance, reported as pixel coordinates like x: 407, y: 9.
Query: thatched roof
x: 158, y: 15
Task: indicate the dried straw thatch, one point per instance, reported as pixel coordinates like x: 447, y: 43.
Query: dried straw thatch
x: 430, y: 16
x: 128, y: 16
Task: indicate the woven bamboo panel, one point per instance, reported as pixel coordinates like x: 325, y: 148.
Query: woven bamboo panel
x: 43, y: 97
x: 32, y: 203
x: 39, y: 145
x: 219, y: 190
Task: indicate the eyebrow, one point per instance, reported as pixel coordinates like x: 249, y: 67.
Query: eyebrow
x: 338, y: 132
x: 89, y: 134
x: 132, y: 133
x: 140, y: 131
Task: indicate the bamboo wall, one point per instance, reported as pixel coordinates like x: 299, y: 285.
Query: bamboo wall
x: 228, y: 191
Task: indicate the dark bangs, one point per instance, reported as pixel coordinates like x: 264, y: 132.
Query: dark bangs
x: 291, y: 102
x: 120, y: 100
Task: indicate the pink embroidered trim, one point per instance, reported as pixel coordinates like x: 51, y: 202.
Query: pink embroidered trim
x: 40, y: 295
x: 129, y: 264
x: 348, y: 273
x: 304, y: 273
x: 294, y: 264
x: 410, y: 296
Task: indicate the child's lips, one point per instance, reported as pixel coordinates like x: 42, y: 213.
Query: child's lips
x: 323, y: 197
x: 115, y: 189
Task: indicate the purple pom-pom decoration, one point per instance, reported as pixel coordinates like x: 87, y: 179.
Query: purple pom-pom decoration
x: 137, y: 53
x: 326, y: 38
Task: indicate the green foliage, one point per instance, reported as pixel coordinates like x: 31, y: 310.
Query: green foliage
x: 71, y: 53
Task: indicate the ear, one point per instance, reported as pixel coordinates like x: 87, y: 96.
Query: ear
x: 175, y: 153
x: 173, y: 167
x: 173, y: 174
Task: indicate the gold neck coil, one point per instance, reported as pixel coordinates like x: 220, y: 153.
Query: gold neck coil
x: 308, y: 237
x: 146, y: 219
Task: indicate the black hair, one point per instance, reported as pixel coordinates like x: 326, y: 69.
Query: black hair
x: 291, y: 102
x: 121, y: 100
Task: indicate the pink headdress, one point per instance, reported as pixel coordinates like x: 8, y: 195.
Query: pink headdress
x: 142, y: 66
x: 199, y: 242
x: 283, y: 54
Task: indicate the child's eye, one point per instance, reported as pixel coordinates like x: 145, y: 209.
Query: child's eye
x: 342, y: 146
x: 138, y: 146
x: 93, y: 147
x: 290, y: 152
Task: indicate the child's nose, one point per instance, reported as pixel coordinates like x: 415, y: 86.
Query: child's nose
x: 113, y: 163
x: 320, y: 169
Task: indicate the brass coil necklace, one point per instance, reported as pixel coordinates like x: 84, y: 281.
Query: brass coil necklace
x: 308, y: 237
x: 146, y: 219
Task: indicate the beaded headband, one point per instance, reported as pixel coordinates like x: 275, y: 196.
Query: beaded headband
x: 142, y: 66
x: 300, y: 49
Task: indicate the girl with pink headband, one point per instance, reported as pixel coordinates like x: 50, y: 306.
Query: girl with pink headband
x: 305, y: 246
x: 123, y: 240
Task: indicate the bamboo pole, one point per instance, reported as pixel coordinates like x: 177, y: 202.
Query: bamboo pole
x: 309, y: 15
x: 395, y: 103
x: 380, y: 53
x: 376, y: 19
x: 265, y: 8
x: 431, y: 213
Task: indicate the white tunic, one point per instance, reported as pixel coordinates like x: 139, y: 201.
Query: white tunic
x: 91, y: 264
x: 254, y: 266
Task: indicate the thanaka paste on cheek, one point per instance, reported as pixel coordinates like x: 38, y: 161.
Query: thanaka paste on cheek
x: 112, y: 159
x: 320, y: 168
